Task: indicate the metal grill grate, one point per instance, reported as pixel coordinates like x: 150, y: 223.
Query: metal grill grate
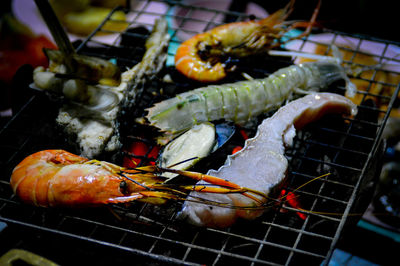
x: 347, y: 148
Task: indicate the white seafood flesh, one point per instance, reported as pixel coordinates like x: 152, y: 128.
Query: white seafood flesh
x: 184, y: 151
x: 261, y: 164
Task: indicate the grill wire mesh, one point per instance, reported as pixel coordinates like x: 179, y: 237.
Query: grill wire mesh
x: 346, y: 148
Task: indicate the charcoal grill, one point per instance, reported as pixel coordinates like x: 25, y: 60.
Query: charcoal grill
x: 347, y: 148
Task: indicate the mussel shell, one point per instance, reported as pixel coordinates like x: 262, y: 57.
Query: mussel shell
x: 223, y: 132
x: 185, y: 150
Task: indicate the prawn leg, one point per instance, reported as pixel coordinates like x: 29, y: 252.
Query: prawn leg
x: 225, y: 185
x: 221, y: 186
x: 308, y: 25
x: 153, y: 197
x: 221, y: 190
x: 109, y: 166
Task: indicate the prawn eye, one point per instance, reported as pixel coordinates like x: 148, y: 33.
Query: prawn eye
x: 123, y: 186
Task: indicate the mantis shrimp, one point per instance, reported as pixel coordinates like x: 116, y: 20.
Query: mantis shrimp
x: 244, y: 100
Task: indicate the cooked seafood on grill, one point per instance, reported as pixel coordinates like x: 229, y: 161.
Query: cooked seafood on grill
x: 241, y: 101
x: 52, y: 178
x: 364, y: 68
x: 90, y: 68
x: 261, y: 164
x: 184, y: 151
x: 201, y: 57
x: 90, y: 115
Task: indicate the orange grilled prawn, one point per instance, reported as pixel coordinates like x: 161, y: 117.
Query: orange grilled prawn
x: 199, y: 57
x: 58, y: 178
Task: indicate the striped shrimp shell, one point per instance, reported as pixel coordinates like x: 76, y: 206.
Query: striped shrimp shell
x: 241, y: 101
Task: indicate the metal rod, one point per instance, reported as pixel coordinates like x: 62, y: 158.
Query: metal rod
x: 56, y: 30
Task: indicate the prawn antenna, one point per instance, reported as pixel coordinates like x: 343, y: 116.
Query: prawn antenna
x: 137, y: 183
x: 327, y: 58
x: 181, y: 162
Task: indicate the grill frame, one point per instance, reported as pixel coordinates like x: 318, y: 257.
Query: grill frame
x: 228, y: 245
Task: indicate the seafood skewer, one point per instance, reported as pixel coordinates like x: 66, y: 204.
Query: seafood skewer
x: 241, y: 101
x: 67, y: 60
x: 261, y: 163
x: 53, y: 178
x: 200, y: 57
x: 93, y: 122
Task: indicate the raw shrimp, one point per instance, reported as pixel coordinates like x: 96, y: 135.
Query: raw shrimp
x: 241, y: 101
x: 261, y: 163
x: 58, y: 178
x: 200, y: 57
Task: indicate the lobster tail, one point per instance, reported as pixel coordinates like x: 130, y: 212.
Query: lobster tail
x: 261, y: 163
